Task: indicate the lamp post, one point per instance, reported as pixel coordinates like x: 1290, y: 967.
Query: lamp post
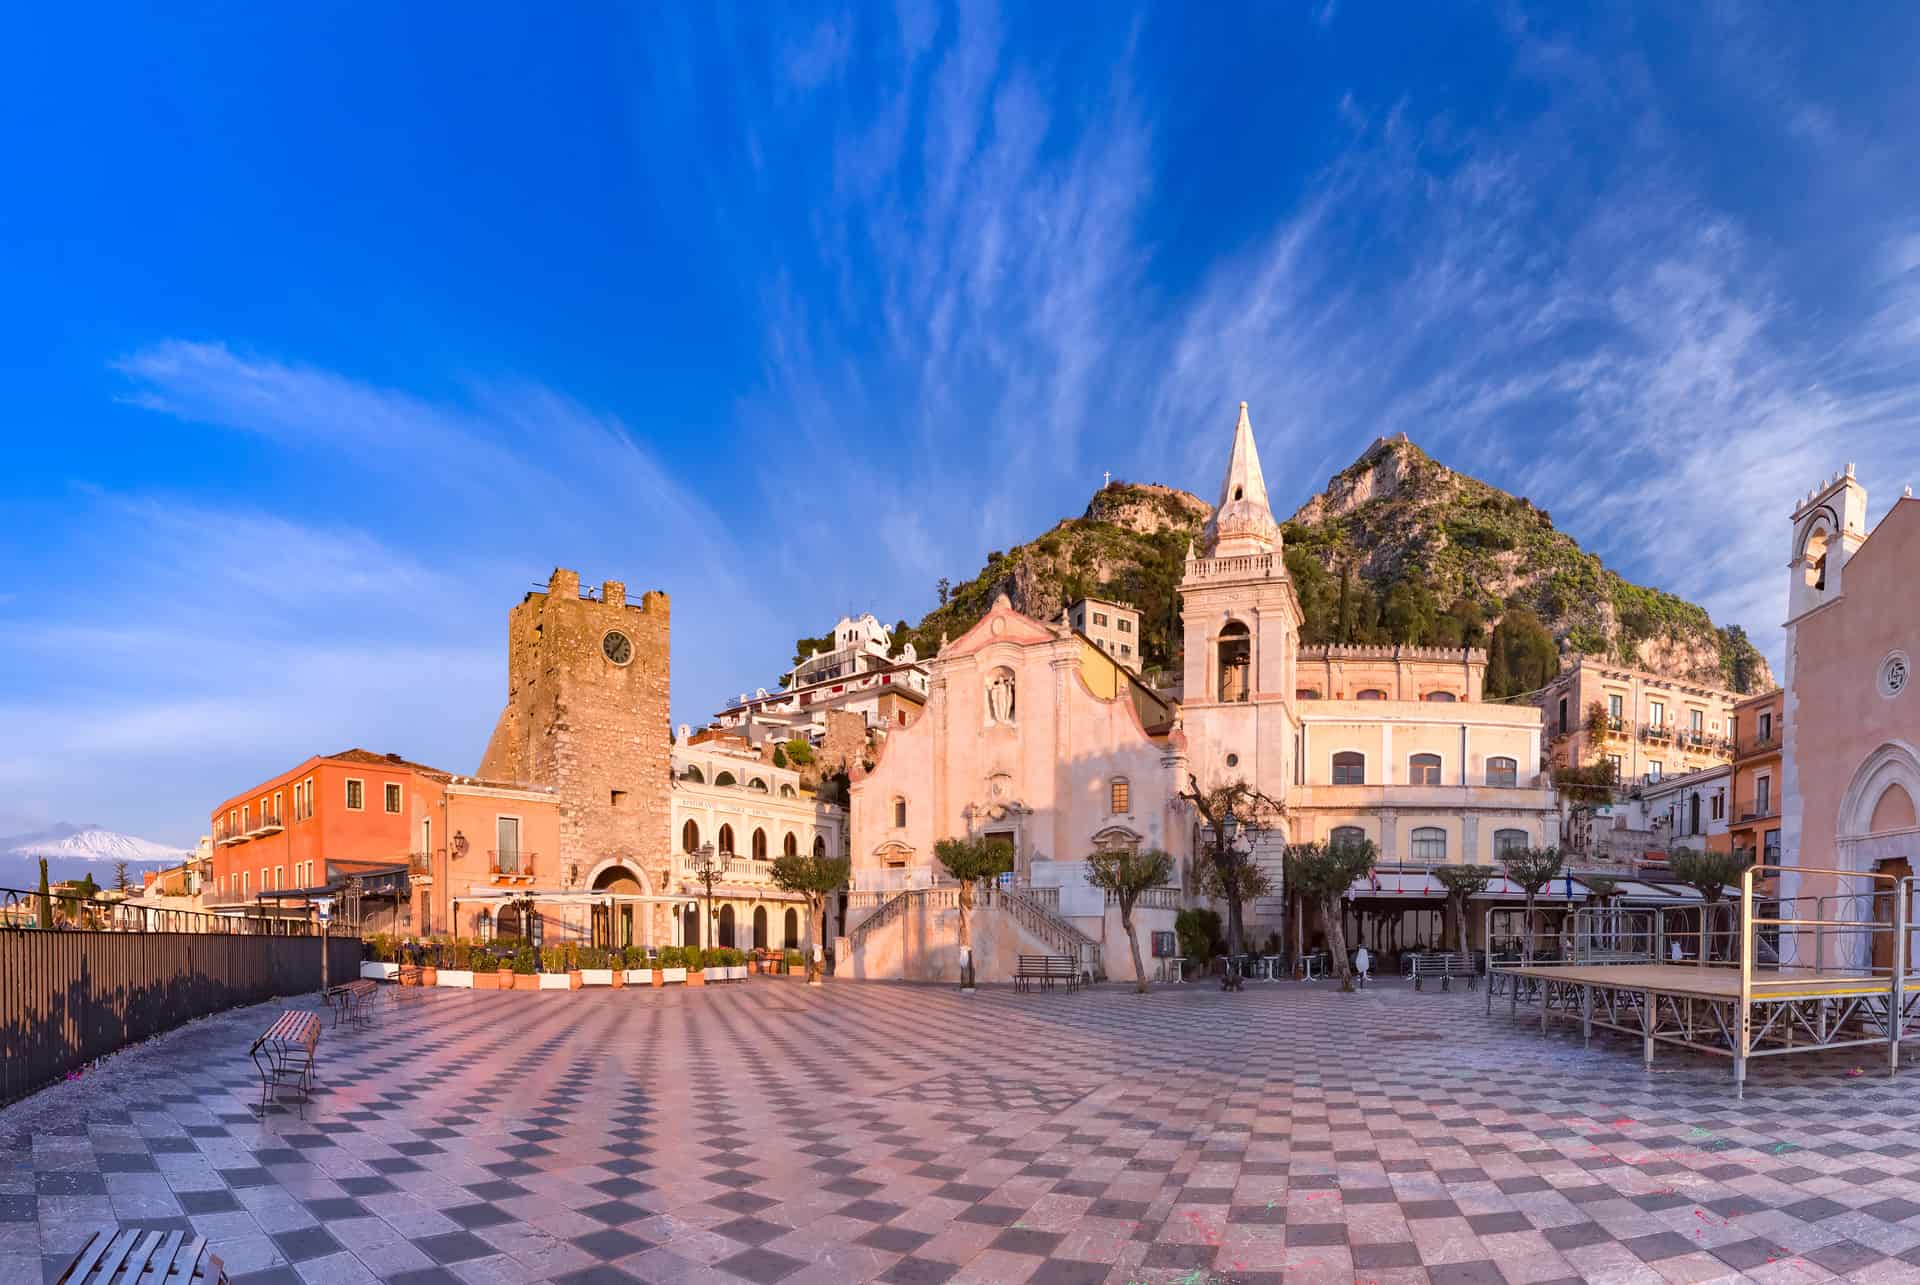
x: 1229, y: 832
x: 706, y: 873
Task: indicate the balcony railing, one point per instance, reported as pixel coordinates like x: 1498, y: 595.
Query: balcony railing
x: 1759, y: 745
x: 510, y: 864
x: 893, y: 879
x: 1656, y: 732
x: 269, y: 823
x: 1759, y: 809
x: 729, y: 867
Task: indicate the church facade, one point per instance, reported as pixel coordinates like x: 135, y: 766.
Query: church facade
x: 1034, y: 734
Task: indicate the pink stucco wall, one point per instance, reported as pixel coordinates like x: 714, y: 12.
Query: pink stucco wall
x: 1045, y: 776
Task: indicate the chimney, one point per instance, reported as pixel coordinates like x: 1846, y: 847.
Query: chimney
x: 613, y: 593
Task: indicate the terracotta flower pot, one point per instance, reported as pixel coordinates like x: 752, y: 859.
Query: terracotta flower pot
x: 573, y: 979
x: 486, y: 981
x: 619, y: 978
x: 429, y: 976
x: 659, y: 977
x: 526, y: 981
x: 696, y: 979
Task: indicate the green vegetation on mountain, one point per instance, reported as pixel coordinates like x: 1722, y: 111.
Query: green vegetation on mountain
x: 1399, y: 549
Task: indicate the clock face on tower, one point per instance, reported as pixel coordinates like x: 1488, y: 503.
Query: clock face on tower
x: 617, y: 646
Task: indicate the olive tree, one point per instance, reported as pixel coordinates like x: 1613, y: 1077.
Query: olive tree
x: 1463, y: 883
x: 1532, y: 869
x: 1123, y: 875
x: 1324, y: 872
x: 1234, y: 816
x: 815, y: 879
x: 969, y: 861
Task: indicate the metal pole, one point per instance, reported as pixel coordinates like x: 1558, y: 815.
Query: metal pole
x: 1744, y: 1018
x: 1897, y: 984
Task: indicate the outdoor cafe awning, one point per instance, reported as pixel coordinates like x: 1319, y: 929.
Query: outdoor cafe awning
x: 1416, y: 883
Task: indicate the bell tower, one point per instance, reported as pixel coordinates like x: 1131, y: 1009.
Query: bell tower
x: 1242, y: 629
x: 1829, y: 524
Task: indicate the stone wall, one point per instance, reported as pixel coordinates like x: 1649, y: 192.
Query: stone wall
x: 595, y: 729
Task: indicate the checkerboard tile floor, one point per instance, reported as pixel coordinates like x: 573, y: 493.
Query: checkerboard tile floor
x: 866, y: 1132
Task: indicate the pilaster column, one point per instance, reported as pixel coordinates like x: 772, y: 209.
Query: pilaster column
x: 1389, y: 834
x: 1470, y: 836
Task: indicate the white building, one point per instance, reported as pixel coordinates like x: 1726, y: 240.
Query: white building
x: 861, y: 673
x: 1686, y: 811
x: 1113, y: 627
x: 750, y: 812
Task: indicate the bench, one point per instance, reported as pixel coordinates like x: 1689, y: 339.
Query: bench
x: 115, y: 1257
x: 1446, y: 967
x: 407, y: 975
x: 1046, y: 969
x: 352, y: 1000
x: 286, y: 1053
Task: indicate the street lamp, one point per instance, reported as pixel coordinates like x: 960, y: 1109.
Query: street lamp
x: 1230, y: 831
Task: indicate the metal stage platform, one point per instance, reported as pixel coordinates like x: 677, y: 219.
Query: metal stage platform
x: 1604, y: 973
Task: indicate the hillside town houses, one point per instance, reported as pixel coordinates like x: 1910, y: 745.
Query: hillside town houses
x: 589, y: 817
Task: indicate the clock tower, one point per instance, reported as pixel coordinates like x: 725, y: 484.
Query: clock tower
x: 587, y: 713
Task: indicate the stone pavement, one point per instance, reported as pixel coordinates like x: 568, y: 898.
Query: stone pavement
x: 766, y: 1132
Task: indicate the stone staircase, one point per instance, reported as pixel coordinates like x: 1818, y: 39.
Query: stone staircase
x: 1039, y: 929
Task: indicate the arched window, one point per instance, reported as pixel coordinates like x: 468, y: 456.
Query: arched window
x: 1423, y: 769
x: 690, y: 837
x: 819, y: 845
x: 693, y: 773
x: 1370, y: 694
x: 899, y: 811
x: 726, y: 839
x: 1349, y: 768
x: 1816, y: 558
x: 1502, y: 771
x: 757, y: 784
x: 786, y: 792
x: 1119, y: 796
x: 1346, y: 836
x: 1440, y: 696
x: 1505, y: 841
x: 725, y: 778
x: 792, y: 926
x: 759, y: 844
x: 759, y: 927
x: 509, y: 922
x: 790, y: 846
x: 1236, y: 658
x: 725, y: 934
x: 1429, y: 843
x: 483, y: 926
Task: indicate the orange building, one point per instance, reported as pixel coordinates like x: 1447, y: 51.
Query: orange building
x: 1753, y: 818
x: 391, y: 840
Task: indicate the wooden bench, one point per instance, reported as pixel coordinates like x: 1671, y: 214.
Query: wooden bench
x: 352, y: 1000
x: 407, y: 975
x: 115, y: 1257
x: 286, y: 1053
x: 1446, y: 967
x: 1046, y: 969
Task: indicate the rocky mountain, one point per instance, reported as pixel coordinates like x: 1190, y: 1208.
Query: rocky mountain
x: 76, y: 850
x: 1397, y: 548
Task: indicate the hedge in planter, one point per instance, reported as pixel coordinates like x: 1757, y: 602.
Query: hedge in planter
x: 526, y: 969
x: 486, y: 971
x: 696, y: 966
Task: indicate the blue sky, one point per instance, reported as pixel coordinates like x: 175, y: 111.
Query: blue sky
x: 332, y: 331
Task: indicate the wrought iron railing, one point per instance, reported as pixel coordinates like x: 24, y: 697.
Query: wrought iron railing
x: 510, y: 864
x: 23, y: 909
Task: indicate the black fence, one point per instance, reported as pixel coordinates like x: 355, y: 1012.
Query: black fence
x: 67, y: 997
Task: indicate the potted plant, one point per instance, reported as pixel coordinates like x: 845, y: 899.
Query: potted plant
x: 673, y: 965
x: 485, y: 972
x: 556, y: 969
x: 380, y: 965
x: 428, y: 955
x: 526, y: 969
x: 736, y: 963
x: 696, y: 966
x: 640, y: 971
x: 457, y: 958
x: 593, y: 967
x: 793, y: 962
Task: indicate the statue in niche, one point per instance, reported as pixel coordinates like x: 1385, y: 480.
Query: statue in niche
x: 1000, y: 697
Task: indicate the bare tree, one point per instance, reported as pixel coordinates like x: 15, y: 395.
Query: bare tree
x: 1222, y: 809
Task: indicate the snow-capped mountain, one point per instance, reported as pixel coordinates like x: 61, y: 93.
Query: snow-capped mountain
x: 76, y: 850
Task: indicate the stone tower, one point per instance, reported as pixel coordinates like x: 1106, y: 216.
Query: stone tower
x: 587, y: 713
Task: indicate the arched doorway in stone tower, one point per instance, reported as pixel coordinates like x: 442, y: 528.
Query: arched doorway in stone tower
x: 622, y: 922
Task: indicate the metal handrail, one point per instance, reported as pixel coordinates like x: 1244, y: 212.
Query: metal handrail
x: 18, y: 905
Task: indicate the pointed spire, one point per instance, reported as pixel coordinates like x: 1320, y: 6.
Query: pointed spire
x: 1242, y: 522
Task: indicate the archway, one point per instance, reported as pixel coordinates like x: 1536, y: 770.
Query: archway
x: 614, y: 924
x: 793, y: 929
x: 690, y: 927
x: 725, y: 935
x: 759, y: 927
x: 1875, y: 833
